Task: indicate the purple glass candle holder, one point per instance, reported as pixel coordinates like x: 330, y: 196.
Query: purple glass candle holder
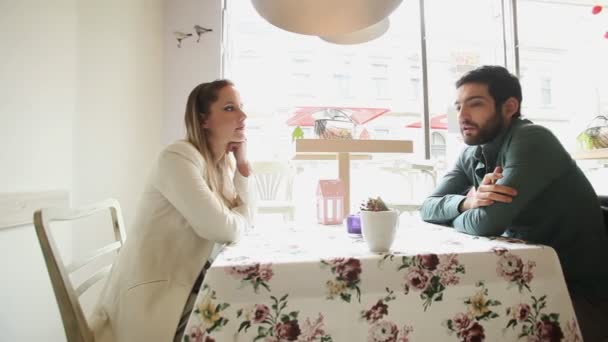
x: 353, y: 224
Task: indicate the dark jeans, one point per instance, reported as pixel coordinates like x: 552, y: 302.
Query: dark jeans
x: 592, y: 316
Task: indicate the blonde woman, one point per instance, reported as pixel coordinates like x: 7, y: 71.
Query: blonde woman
x: 195, y: 197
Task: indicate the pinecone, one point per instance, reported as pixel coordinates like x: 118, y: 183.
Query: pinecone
x: 374, y: 204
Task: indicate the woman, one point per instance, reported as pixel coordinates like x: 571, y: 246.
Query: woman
x: 189, y: 203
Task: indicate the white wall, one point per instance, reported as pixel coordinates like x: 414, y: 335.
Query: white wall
x: 80, y: 109
x: 37, y: 90
x: 119, y: 99
x: 89, y: 91
x: 119, y: 102
x: 191, y: 64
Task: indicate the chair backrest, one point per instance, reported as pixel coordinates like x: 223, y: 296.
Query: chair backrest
x: 274, y: 180
x: 421, y: 178
x: 74, y: 322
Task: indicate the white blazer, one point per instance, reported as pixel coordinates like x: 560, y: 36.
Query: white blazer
x: 176, y: 225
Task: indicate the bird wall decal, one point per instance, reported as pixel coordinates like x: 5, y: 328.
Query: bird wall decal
x: 181, y: 36
x: 200, y: 31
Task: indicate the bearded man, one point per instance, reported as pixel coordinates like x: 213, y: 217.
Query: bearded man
x: 515, y: 179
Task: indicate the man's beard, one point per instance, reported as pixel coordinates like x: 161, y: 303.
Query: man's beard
x: 486, y: 133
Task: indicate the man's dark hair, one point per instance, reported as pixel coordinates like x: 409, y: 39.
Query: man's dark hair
x: 501, y: 84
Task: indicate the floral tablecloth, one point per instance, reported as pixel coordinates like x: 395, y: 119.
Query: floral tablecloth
x: 316, y: 283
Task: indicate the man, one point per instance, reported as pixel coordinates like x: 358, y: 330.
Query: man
x: 526, y: 186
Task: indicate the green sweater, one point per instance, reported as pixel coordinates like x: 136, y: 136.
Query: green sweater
x: 555, y: 203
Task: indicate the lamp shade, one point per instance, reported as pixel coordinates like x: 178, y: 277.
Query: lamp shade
x: 361, y: 36
x: 324, y: 17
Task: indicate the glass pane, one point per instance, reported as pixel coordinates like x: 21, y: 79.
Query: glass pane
x: 281, y: 74
x: 563, y: 71
x: 563, y: 66
x: 278, y: 71
x: 461, y: 35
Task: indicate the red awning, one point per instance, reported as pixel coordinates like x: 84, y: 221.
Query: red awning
x: 303, y: 116
x: 437, y: 122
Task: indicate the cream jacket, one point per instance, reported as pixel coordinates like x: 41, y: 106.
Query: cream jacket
x: 177, y: 224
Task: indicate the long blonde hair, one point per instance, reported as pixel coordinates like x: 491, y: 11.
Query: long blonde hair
x: 198, y: 109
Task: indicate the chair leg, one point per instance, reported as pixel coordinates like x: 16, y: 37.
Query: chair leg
x: 288, y: 215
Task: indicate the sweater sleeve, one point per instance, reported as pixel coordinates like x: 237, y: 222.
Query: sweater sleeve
x: 245, y: 189
x: 181, y: 181
x: 442, y: 206
x: 533, y: 160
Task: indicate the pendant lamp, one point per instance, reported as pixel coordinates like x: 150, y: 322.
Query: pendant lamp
x: 361, y: 36
x: 326, y: 18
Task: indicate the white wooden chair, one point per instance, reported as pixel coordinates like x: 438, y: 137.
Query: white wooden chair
x: 416, y: 176
x: 274, y: 185
x: 74, y: 322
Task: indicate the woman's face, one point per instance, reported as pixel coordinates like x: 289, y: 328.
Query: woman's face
x: 226, y: 121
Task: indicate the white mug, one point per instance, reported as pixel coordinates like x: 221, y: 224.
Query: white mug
x: 379, y: 228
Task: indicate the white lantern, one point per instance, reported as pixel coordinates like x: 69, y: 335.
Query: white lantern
x: 330, y: 201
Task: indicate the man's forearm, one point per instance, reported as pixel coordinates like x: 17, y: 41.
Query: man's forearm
x: 478, y: 222
x: 441, y: 210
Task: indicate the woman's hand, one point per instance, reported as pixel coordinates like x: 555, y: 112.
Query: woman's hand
x: 239, y: 149
x: 489, y: 192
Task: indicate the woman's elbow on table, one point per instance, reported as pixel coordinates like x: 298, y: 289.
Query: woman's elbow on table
x: 222, y: 231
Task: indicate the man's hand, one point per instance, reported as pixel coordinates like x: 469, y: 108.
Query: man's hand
x: 489, y: 192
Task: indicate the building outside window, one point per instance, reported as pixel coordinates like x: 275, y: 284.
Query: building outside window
x: 564, y: 58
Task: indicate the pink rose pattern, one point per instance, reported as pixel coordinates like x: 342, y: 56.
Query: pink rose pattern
x: 572, y: 332
x: 197, y: 335
x: 387, y: 331
x: 314, y: 330
x: 512, y: 268
x: 538, y: 326
x: 378, y: 310
x: 468, y: 325
x: 260, y: 313
x: 431, y: 275
x: 275, y: 326
x: 347, y: 273
x: 256, y: 274
x: 384, y: 330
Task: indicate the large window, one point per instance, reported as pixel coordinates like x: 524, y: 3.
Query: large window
x: 564, y: 71
x: 461, y: 35
x: 562, y: 67
x: 304, y: 71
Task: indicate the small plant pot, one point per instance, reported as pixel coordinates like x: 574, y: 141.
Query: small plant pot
x: 379, y: 228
